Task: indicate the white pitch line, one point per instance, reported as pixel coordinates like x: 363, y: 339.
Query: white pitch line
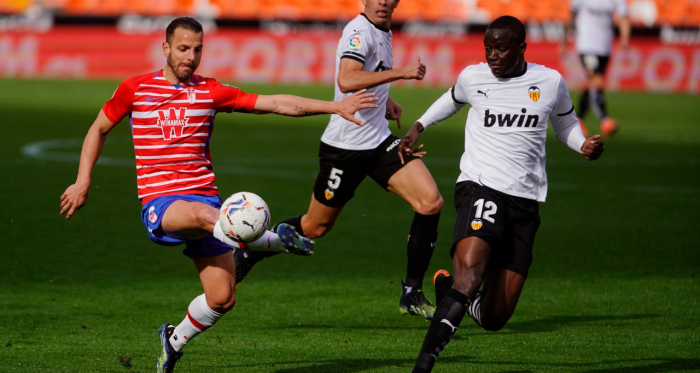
x: 55, y: 150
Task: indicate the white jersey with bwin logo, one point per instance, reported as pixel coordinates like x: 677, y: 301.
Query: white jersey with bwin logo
x: 369, y: 44
x: 594, y: 24
x: 504, y: 142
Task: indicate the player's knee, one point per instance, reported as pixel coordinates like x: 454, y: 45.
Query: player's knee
x: 493, y: 324
x: 206, y: 217
x: 317, y: 230
x: 223, y: 302
x: 430, y: 204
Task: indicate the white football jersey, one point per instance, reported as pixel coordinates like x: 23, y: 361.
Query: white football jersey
x: 594, y: 24
x: 504, y: 142
x: 367, y: 43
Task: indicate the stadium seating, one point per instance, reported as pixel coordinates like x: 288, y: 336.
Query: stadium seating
x: 668, y: 12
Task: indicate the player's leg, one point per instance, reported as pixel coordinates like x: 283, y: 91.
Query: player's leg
x: 340, y: 173
x: 216, y: 274
x: 596, y: 93
x: 470, y: 261
x: 192, y: 220
x: 318, y: 221
x: 414, y: 184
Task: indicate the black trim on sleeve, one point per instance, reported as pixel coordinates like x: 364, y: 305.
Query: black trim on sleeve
x: 354, y: 54
x: 567, y: 113
x: 358, y: 59
x: 452, y: 90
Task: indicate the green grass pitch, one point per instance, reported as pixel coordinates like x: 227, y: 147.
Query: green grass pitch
x: 614, y: 287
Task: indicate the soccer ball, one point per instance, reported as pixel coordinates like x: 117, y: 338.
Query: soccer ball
x: 244, y: 217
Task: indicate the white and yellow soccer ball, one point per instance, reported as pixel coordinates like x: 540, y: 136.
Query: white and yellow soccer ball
x: 244, y: 217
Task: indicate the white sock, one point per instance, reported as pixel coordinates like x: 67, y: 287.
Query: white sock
x: 199, y: 318
x: 221, y: 236
x: 269, y: 241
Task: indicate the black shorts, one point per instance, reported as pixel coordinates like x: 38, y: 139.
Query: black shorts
x: 507, y: 223
x: 342, y: 171
x: 596, y: 63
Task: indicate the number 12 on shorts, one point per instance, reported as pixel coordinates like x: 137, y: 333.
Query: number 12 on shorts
x: 490, y: 209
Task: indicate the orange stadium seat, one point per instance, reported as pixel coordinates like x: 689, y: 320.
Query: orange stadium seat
x: 671, y: 12
x: 494, y: 7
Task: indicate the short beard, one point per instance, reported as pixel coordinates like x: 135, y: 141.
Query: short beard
x: 175, y: 68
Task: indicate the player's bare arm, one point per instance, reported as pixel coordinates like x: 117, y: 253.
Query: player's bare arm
x: 76, y: 195
x: 592, y: 148
x: 393, y: 111
x: 352, y: 78
x: 295, y: 106
x: 409, y: 141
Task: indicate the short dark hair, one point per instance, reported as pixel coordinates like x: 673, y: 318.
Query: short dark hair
x: 510, y: 23
x: 188, y: 23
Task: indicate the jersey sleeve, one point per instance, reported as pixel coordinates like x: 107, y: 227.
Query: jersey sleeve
x: 355, y: 47
x: 459, y: 90
x: 229, y: 98
x: 121, y: 102
x: 564, y: 121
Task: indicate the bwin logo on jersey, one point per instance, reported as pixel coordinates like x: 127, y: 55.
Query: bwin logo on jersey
x: 508, y: 120
x: 381, y: 67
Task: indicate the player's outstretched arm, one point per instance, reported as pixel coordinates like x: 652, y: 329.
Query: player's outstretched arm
x: 352, y: 78
x: 295, y: 106
x: 409, y: 141
x: 592, y: 148
x: 76, y: 195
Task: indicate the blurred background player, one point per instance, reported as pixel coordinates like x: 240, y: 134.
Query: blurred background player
x: 172, y: 117
x: 502, y: 180
x: 595, y: 32
x: 348, y: 153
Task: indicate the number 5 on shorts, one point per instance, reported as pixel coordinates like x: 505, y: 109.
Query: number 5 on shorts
x: 491, y: 209
x: 334, y: 178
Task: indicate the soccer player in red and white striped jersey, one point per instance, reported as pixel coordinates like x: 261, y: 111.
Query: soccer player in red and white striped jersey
x: 171, y: 113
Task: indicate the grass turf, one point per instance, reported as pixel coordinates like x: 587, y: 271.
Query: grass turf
x: 614, y: 286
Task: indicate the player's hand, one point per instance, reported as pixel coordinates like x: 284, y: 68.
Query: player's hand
x: 592, y: 148
x: 74, y: 198
x: 414, y: 70
x: 409, y: 141
x: 393, y: 111
x: 358, y: 100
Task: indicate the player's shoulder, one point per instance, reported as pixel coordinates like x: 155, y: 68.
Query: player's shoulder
x: 358, y: 25
x: 135, y: 81
x: 471, y: 72
x: 542, y: 70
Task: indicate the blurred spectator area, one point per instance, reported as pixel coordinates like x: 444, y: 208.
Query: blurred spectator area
x: 642, y: 12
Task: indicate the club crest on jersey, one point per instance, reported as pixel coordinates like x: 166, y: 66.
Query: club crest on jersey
x: 172, y: 122
x: 477, y: 224
x: 329, y: 194
x: 152, y: 217
x: 534, y: 93
x: 192, y: 95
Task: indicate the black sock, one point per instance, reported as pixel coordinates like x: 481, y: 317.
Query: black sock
x: 442, y: 287
x: 447, y: 317
x: 598, y: 103
x: 421, y: 243
x: 583, y: 104
x: 253, y: 257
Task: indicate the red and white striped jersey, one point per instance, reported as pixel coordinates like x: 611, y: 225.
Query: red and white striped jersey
x: 171, y: 126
